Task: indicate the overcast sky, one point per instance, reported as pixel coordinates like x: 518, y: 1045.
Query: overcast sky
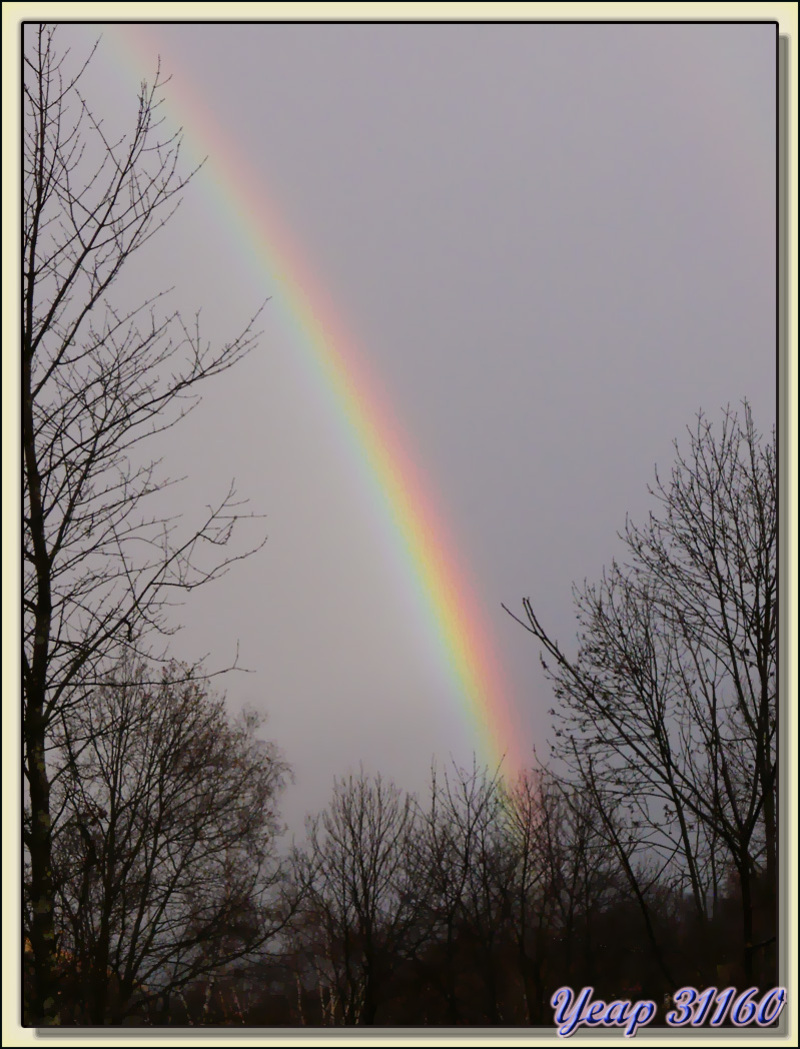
x: 552, y: 244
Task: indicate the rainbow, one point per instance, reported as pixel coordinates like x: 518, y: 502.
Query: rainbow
x: 424, y: 546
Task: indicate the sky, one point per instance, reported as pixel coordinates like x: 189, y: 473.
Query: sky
x: 533, y: 252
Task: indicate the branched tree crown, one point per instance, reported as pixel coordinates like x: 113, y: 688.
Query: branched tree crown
x: 100, y: 378
x: 668, y: 714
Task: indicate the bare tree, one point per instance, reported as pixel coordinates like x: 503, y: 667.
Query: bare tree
x: 164, y: 831
x: 465, y: 868
x: 99, y: 378
x: 358, y: 904
x: 669, y: 711
x: 556, y: 878
x: 529, y: 812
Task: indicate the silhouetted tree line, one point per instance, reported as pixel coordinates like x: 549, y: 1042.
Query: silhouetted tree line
x: 468, y: 909
x: 641, y: 858
x: 472, y: 908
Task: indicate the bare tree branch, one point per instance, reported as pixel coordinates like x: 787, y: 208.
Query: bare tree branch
x: 99, y: 380
x: 668, y: 713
